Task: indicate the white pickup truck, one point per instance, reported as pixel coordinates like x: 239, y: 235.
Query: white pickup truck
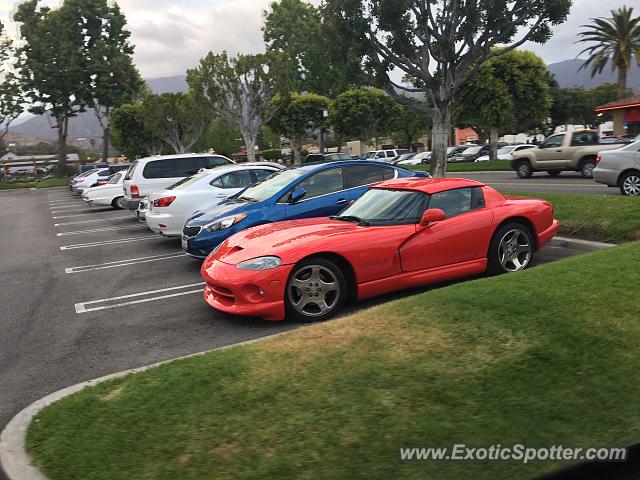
x: 568, y: 152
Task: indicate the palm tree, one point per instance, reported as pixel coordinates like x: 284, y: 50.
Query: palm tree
x: 617, y: 39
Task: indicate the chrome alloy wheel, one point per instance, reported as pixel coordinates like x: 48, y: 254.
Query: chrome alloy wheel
x: 514, y: 250
x: 313, y: 290
x: 631, y: 185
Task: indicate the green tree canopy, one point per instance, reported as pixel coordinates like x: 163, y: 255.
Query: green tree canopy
x: 363, y: 113
x: 10, y: 93
x: 131, y: 136
x: 409, y: 125
x: 221, y: 137
x: 298, y: 116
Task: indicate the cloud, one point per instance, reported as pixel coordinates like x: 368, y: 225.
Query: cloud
x: 171, y: 35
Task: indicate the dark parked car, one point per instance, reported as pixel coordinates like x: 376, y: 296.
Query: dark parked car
x: 472, y: 153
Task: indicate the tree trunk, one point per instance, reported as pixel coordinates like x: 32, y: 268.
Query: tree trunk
x: 622, y: 81
x: 440, y: 141
x: 494, y: 144
x: 63, y: 124
x: 250, y: 145
x: 322, y: 134
x: 297, y: 154
x: 105, y: 143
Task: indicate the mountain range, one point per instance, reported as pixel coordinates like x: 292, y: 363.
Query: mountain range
x: 85, y: 125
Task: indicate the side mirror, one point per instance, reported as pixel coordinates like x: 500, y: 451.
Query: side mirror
x: 431, y: 216
x: 297, y: 195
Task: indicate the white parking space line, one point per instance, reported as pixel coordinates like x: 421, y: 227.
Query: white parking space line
x: 84, y: 307
x: 70, y: 206
x: 62, y: 203
x: 82, y: 215
x: 84, y: 208
x: 523, y: 185
x: 110, y: 242
x: 103, y: 220
x: 123, y: 263
x: 99, y: 230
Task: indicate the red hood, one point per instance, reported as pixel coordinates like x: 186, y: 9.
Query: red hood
x: 279, y: 238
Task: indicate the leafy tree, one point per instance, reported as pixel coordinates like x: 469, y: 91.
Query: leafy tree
x: 221, y: 137
x: 296, y: 29
x: 363, y: 113
x: 439, y: 44
x: 111, y: 78
x: 615, y: 40
x: 51, y: 65
x: 240, y: 90
x: 178, y: 118
x: 10, y: 95
x: 409, y: 125
x: 131, y: 136
x: 298, y: 116
x: 508, y: 93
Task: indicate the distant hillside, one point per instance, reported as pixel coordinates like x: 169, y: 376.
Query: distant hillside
x: 86, y: 125
x: 567, y: 75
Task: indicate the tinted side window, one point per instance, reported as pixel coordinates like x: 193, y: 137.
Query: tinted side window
x: 262, y: 174
x: 391, y: 154
x: 239, y: 179
x: 553, y: 141
x: 212, y: 162
x: 322, y: 183
x: 364, y: 175
x: 388, y: 173
x: 104, y: 173
x: 452, y: 202
x: 159, y: 169
x: 185, y: 167
x: 584, y: 138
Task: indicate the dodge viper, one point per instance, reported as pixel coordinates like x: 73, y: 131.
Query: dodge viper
x: 402, y: 233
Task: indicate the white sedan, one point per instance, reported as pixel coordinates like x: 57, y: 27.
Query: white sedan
x: 110, y: 194
x: 415, y: 159
x: 169, y: 208
x: 506, y: 153
x: 89, y: 179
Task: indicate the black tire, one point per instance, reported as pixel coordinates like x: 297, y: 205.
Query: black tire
x: 554, y: 173
x: 295, y: 294
x: 118, y: 203
x: 630, y: 184
x: 587, y: 165
x: 524, y: 169
x: 496, y: 264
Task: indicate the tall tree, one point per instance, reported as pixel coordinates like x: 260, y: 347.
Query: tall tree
x: 240, y: 90
x: 221, y: 137
x: 131, y: 136
x: 508, y: 94
x: 295, y: 28
x: 299, y: 116
x: 615, y: 40
x: 409, y: 125
x: 111, y: 77
x: 439, y: 44
x: 10, y: 95
x: 51, y: 65
x: 363, y: 113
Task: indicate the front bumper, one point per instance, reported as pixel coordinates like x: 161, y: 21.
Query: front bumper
x: 606, y: 175
x: 201, y: 245
x: 243, y: 292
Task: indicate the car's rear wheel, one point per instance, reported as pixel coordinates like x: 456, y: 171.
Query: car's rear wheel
x: 315, y: 291
x: 524, y: 169
x: 511, y: 249
x: 554, y: 173
x: 118, y: 203
x: 587, y: 166
x: 630, y: 184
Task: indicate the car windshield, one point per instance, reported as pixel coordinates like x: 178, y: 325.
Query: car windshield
x: 472, y: 150
x: 371, y: 154
x: 269, y: 187
x: 386, y: 206
x: 188, y: 181
x: 115, y: 178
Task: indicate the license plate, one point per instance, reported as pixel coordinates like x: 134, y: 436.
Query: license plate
x: 185, y: 244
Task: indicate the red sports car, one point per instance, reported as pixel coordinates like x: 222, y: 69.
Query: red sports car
x: 402, y: 233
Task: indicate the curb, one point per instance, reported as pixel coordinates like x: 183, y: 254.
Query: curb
x: 15, y: 462
x: 577, y: 244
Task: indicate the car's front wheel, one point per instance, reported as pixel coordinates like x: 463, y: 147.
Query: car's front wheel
x: 315, y: 291
x: 524, y: 169
x: 511, y: 249
x: 118, y: 203
x: 630, y: 184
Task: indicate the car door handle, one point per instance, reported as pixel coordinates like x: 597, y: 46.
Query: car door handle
x: 342, y: 201
x: 559, y: 151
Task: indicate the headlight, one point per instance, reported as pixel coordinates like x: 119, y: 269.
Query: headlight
x: 260, y: 263
x: 224, y: 223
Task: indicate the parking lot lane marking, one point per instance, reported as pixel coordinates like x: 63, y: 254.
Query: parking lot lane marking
x: 131, y: 217
x: 550, y: 184
x: 83, y: 307
x: 123, y: 263
x: 110, y: 242
x: 99, y: 230
x: 84, y: 208
x: 83, y: 214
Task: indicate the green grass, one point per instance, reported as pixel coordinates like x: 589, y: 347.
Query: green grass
x: 607, y: 218
x: 497, y: 165
x: 543, y: 357
x: 48, y: 183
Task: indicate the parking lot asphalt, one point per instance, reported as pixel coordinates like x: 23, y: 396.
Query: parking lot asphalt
x: 90, y: 291
x: 566, y: 182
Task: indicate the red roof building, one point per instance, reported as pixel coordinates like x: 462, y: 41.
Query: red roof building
x: 625, y: 112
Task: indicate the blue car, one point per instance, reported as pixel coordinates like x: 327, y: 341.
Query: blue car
x: 304, y: 192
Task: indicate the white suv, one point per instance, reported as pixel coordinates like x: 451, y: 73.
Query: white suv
x: 386, y: 155
x: 157, y: 173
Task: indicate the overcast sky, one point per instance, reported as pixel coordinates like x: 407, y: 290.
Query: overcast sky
x: 171, y: 36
